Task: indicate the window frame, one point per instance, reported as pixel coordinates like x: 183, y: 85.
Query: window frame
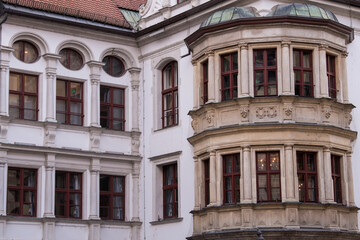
x: 303, y: 69
x: 111, y: 195
x: 206, y: 164
x: 174, y: 188
x: 173, y: 91
x: 336, y: 177
x: 22, y: 95
x: 68, y: 99
x: 21, y: 190
x: 233, y: 176
x: 111, y: 58
x: 22, y: 51
x: 268, y: 172
x: 306, y: 173
x: 265, y: 68
x: 229, y: 73
x: 330, y: 60
x: 67, y: 192
x: 68, y: 56
x: 111, y: 105
x: 205, y: 73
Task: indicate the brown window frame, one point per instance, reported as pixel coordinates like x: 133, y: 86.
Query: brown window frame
x: 268, y: 172
x: 303, y: 69
x: 22, y: 95
x: 21, y: 188
x: 232, y: 87
x: 306, y: 174
x: 112, y: 105
x: 23, y: 51
x: 69, y: 60
x: 174, y: 188
x: 68, y: 99
x: 111, y: 195
x: 174, y: 92
x: 330, y: 60
x: 233, y: 174
x: 67, y: 192
x: 205, y: 68
x: 207, y: 181
x: 265, y: 68
x: 336, y: 177
x: 111, y: 59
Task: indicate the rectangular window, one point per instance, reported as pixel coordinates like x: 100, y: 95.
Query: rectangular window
x: 23, y: 96
x: 112, y: 108
x: 21, y: 192
x: 304, y: 86
x: 207, y: 181
x: 170, y: 97
x: 112, y: 197
x: 330, y: 70
x: 68, y: 194
x: 231, y: 178
x: 265, y: 72
x: 170, y: 191
x: 69, y: 102
x: 336, y: 177
x: 307, y: 176
x: 205, y: 81
x: 268, y: 176
x: 229, y: 73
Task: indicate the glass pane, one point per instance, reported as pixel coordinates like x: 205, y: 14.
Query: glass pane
x: 30, y: 54
x: 226, y: 63
x: 60, y: 198
x: 118, y: 113
x: 235, y: 61
x: 75, y: 181
x: 14, y: 100
x: 75, y: 90
x: 106, y: 68
x: 118, y: 184
x: 167, y: 76
x: 29, y: 178
x: 104, y: 94
x: 227, y: 94
x: 310, y: 162
x: 235, y: 82
x: 297, y: 77
x: 259, y: 59
x: 104, y: 212
x: 311, y: 181
x: 228, y: 164
x: 18, y: 53
x: 262, y: 181
x: 61, y: 88
x: 59, y: 210
x: 118, y: 96
x: 75, y: 107
x: 30, y: 114
x: 28, y: 209
x: 301, y: 187
x: 118, y: 213
x: 118, y: 201
x: 331, y: 64
x: 301, y: 195
x: 14, y: 112
x: 272, y: 90
x: 75, y: 60
x: 74, y: 199
x: 259, y: 77
x: 307, y: 60
x: 118, y: 125
x: 169, y: 176
x: 311, y: 195
x: 104, y: 183
x: 60, y: 180
x: 105, y: 111
x: 274, y: 161
x: 237, y: 163
x: 30, y: 84
x: 261, y: 162
x: 30, y: 102
x: 296, y: 59
x: 307, y: 77
x: 105, y: 123
x: 271, y: 76
x: 29, y: 203
x: 168, y: 104
x: 168, y: 196
x: 13, y: 202
x: 13, y: 177
x: 228, y: 197
x: 60, y: 117
x: 64, y: 60
x: 297, y: 90
x: 275, y: 194
x: 117, y: 67
x: 75, y: 120
x: 15, y: 82
x: 228, y: 183
x: 262, y: 194
x: 75, y: 211
x: 308, y: 91
x: 226, y: 81
x: 275, y: 180
x: 271, y: 57
x: 175, y: 75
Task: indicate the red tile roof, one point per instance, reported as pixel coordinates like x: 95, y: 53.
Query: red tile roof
x: 105, y: 11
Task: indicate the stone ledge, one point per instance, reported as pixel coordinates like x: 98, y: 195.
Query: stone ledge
x: 165, y: 221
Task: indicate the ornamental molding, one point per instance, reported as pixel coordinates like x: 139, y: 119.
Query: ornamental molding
x: 266, y: 112
x: 210, y: 118
x: 194, y: 124
x: 244, y: 111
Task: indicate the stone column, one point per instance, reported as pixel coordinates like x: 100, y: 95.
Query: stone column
x: 324, y: 85
x: 196, y: 85
x: 135, y: 83
x: 247, y: 175
x: 289, y: 173
x: 329, y: 191
x: 49, y: 186
x: 212, y: 188
x: 94, y: 189
x: 197, y: 174
x: 51, y: 62
x: 244, y: 71
x: 135, y: 193
x: 4, y: 79
x: 211, y: 76
x: 95, y: 70
x: 350, y: 179
x: 2, y: 183
x: 285, y: 59
x: 343, y: 78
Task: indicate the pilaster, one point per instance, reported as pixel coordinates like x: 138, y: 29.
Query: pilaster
x: 49, y: 187
x: 350, y: 179
x: 212, y: 182
x: 247, y: 174
x: 329, y: 191
x: 95, y: 70
x: 324, y: 85
x: 197, y: 184
x: 211, y: 76
x: 3, y: 183
x: 135, y: 192
x: 196, y: 84
x: 344, y: 78
x: 94, y: 189
x: 289, y: 173
x: 244, y: 72
x: 285, y: 63
x: 4, y: 79
x: 135, y: 83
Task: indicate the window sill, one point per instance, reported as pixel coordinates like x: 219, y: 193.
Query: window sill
x: 165, y: 221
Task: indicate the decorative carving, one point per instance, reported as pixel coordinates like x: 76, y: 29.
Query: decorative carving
x: 135, y: 85
x: 135, y: 144
x: 263, y: 112
x: 95, y: 140
x: 194, y: 125
x: 292, y: 215
x: 348, y: 119
x: 326, y: 113
x: 288, y: 110
x: 50, y: 135
x: 3, y: 131
x: 244, y: 110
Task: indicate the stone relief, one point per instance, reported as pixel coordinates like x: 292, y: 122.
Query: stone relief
x: 263, y: 112
x: 288, y: 110
x: 194, y: 125
x: 210, y: 118
x: 244, y: 110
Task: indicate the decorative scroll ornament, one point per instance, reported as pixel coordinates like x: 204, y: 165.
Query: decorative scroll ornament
x: 244, y: 111
x: 288, y: 109
x: 263, y: 112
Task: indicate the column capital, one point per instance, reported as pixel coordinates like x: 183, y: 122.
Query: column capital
x: 246, y: 148
x: 95, y: 79
x: 95, y: 165
x: 194, y: 63
x: 243, y: 45
x: 323, y: 47
x: 51, y: 56
x: 210, y: 53
x: 134, y: 70
x: 212, y: 152
x: 288, y: 146
x: 344, y: 54
x: 285, y: 43
x: 326, y: 149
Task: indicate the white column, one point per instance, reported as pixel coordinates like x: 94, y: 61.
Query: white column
x: 329, y: 191
x: 49, y: 186
x: 211, y: 77
x: 212, y: 188
x: 247, y: 175
x: 196, y: 84
x: 289, y: 173
x: 135, y: 192
x: 350, y: 179
x: 324, y: 85
x: 95, y: 70
x: 2, y: 188
x: 198, y: 185
x: 51, y: 67
x: 244, y: 71
x: 94, y: 189
x: 285, y: 59
x: 135, y: 82
x: 4, y: 79
x: 343, y: 78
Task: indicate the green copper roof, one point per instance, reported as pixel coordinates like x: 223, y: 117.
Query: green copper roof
x: 301, y: 10
x: 229, y: 15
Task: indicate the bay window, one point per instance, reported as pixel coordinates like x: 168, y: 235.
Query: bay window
x: 231, y: 178
x: 331, y: 75
x: 336, y: 177
x: 304, y: 86
x: 265, y: 72
x: 307, y: 176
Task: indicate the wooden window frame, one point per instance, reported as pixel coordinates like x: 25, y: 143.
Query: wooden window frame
x: 174, y: 92
x: 68, y: 99
x: 233, y: 176
x: 303, y: 69
x: 112, y: 105
x: 205, y: 68
x: 22, y: 51
x: 265, y: 68
x: 306, y: 174
x: 22, y: 95
x: 207, y: 181
x: 67, y: 192
x: 21, y: 190
x: 330, y: 60
x: 111, y: 194
x: 230, y: 73
x: 174, y: 188
x: 336, y: 177
x: 268, y: 172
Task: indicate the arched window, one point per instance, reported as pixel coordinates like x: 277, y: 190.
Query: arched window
x: 25, y: 51
x: 113, y: 66
x: 71, y: 59
x: 170, y: 112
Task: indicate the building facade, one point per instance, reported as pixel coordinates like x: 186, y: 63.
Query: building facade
x: 189, y: 119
